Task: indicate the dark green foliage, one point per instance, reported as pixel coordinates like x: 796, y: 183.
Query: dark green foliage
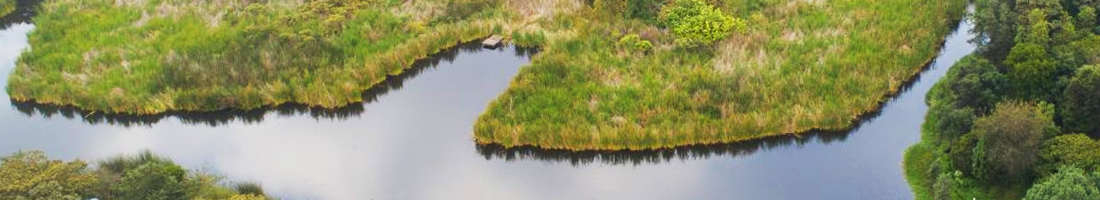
x: 1068, y: 183
x: 153, y: 181
x: 1033, y: 74
x: 976, y: 83
x: 955, y: 122
x: 994, y: 27
x: 962, y: 153
x: 1081, y: 101
x: 942, y: 187
x: 1075, y: 150
x: 1040, y: 46
x: 1010, y: 140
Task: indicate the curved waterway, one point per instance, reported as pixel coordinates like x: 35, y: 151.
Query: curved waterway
x: 413, y: 140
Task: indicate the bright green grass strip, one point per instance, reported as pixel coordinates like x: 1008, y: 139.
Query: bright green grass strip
x: 803, y: 65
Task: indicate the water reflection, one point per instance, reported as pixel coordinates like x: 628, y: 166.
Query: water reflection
x: 696, y: 152
x: 254, y: 116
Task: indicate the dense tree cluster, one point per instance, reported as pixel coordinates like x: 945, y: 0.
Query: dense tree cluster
x: 1016, y: 112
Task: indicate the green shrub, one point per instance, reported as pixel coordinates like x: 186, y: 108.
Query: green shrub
x: 154, y: 181
x: 31, y: 175
x: 1081, y: 101
x: 1011, y: 138
x: 635, y: 42
x: 1068, y: 183
x: 695, y: 22
x: 976, y: 83
x: 1075, y: 150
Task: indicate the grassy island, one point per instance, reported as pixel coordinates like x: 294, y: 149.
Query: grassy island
x: 612, y: 74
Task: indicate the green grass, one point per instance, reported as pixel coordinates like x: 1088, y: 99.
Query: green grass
x: 162, y: 55
x: 802, y: 66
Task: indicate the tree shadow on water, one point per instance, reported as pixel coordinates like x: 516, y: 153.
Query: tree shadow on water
x: 253, y: 116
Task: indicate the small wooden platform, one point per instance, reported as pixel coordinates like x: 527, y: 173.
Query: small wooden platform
x: 492, y: 42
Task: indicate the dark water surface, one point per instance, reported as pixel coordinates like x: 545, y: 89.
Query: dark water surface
x: 413, y: 140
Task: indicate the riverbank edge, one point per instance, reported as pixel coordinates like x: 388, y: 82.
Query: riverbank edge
x: 867, y: 113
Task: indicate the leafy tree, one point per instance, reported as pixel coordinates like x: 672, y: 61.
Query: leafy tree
x: 1086, y: 19
x: 1033, y: 74
x: 695, y: 22
x: 994, y: 27
x: 31, y: 175
x: 154, y: 181
x: 1081, y: 101
x: 1010, y: 139
x: 976, y: 83
x: 1075, y: 150
x: 1068, y: 183
x: 962, y: 153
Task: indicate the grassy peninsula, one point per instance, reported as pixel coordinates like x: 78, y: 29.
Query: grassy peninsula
x: 1014, y: 119
x: 796, y: 66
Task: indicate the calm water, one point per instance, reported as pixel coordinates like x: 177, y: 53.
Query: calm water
x: 413, y: 140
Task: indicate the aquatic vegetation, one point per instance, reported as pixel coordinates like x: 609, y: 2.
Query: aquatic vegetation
x: 798, y: 66
x: 32, y: 175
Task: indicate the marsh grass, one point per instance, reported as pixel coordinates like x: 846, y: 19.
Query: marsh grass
x: 801, y: 66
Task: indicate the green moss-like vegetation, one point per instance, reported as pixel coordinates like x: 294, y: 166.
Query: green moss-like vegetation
x: 161, y: 55
x: 32, y: 175
x: 796, y: 66
x: 1009, y: 121
x: 6, y: 6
